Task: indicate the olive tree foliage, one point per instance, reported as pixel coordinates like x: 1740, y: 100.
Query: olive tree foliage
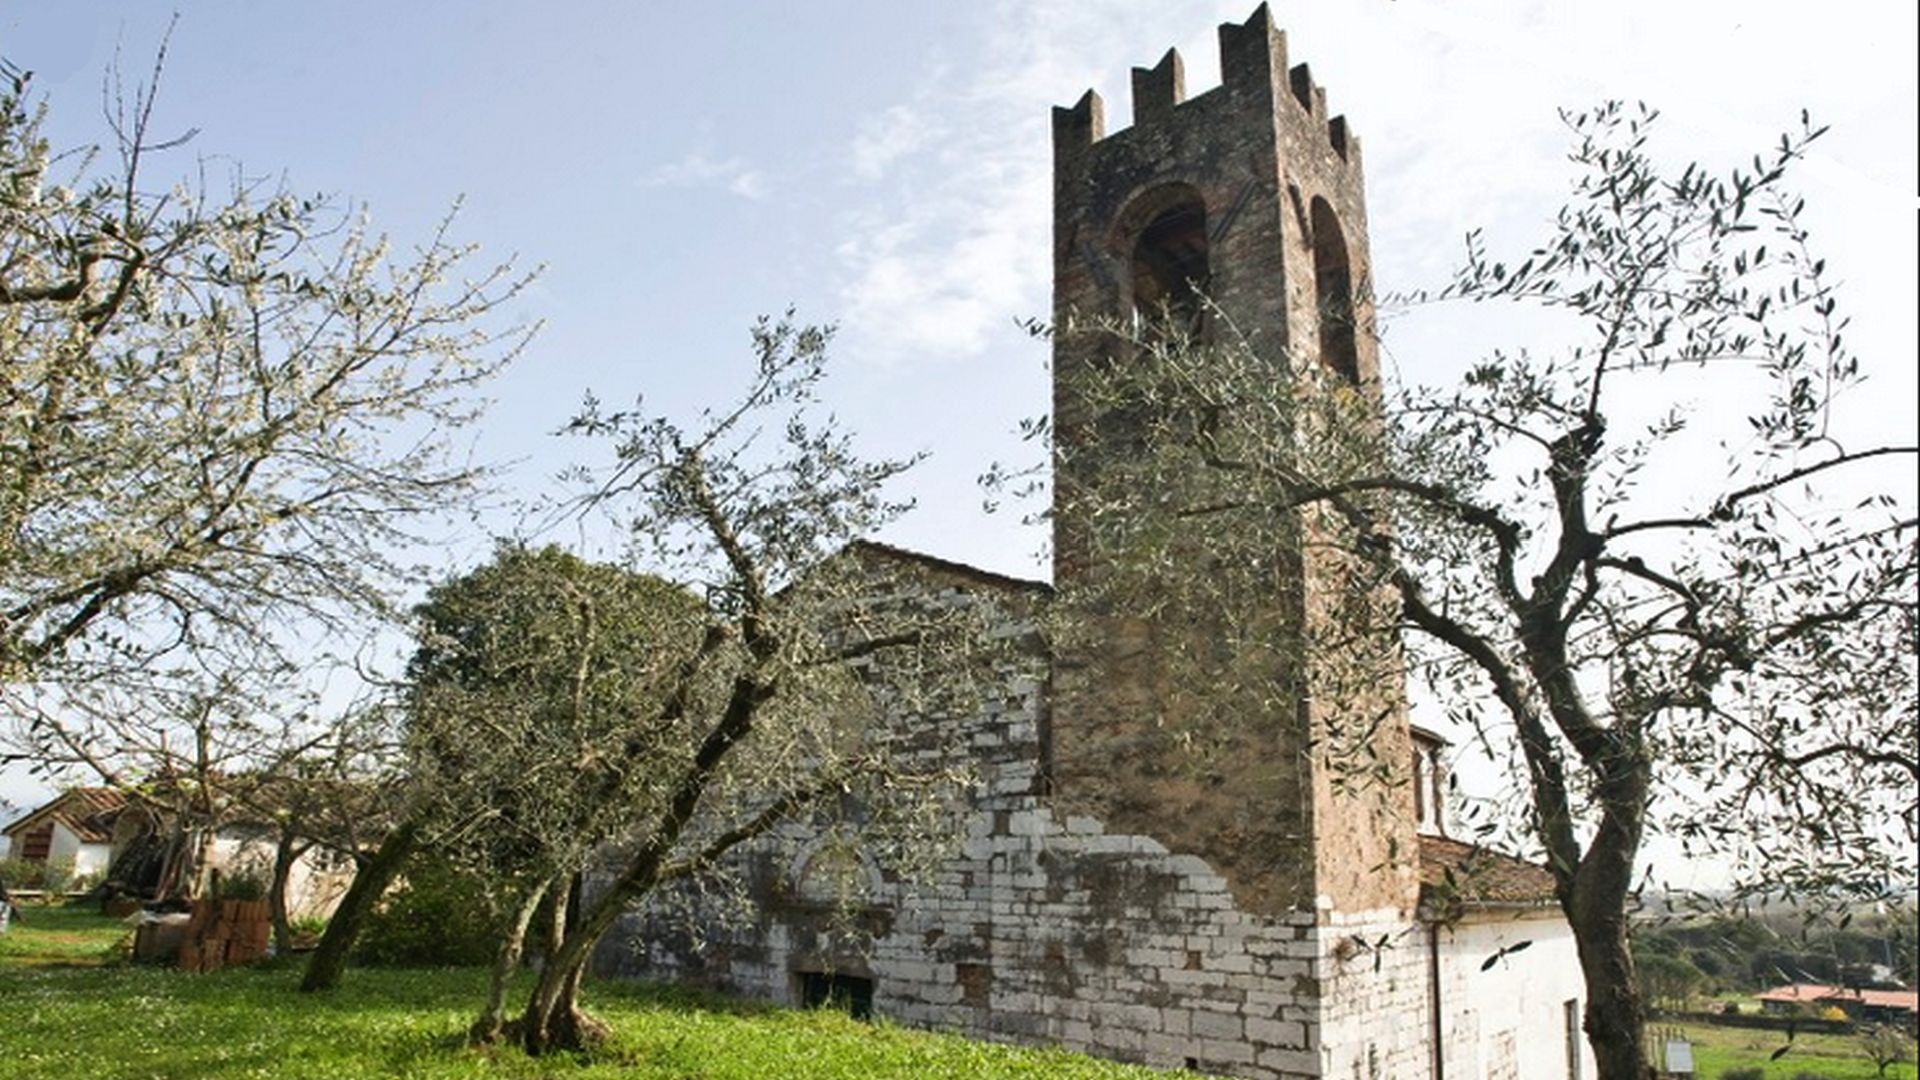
x: 531, y: 738
x: 760, y: 715
x: 1884, y: 1045
x: 1665, y: 623
x: 224, y: 408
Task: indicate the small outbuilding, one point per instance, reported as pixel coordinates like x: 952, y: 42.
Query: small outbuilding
x: 73, y: 830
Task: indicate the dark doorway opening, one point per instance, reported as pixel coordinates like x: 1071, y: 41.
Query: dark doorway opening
x: 1170, y: 273
x: 850, y: 994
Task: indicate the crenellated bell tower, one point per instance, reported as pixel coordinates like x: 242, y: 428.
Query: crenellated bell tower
x: 1250, y: 197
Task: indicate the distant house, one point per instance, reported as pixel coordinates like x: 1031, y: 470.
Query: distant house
x: 1867, y: 1006
x: 74, y: 828
x: 102, y: 833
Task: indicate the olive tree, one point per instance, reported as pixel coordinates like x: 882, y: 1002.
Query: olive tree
x: 527, y: 695
x: 1665, y: 624
x: 665, y: 727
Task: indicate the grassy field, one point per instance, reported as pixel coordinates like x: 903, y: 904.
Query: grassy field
x: 71, y: 1009
x: 61, y: 937
x: 75, y: 1008
x: 1831, y: 1057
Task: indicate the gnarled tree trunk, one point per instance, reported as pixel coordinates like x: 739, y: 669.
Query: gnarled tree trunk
x: 493, y: 1018
x: 1594, y: 900
x: 1615, y: 1016
x: 554, y: 1020
x: 329, y: 959
x: 286, y: 853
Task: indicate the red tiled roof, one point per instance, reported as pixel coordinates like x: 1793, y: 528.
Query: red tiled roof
x: 1452, y: 872
x: 87, y: 811
x: 1802, y: 993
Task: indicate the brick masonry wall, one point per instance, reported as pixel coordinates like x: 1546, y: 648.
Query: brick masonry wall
x: 1279, y: 186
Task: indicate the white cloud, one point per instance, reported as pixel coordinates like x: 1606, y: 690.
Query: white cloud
x: 889, y: 136
x: 956, y: 247
x: 700, y: 170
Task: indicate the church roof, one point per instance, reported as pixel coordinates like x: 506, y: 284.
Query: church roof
x: 947, y: 566
x: 1454, y: 874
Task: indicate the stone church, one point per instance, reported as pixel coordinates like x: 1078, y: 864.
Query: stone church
x: 1272, y: 922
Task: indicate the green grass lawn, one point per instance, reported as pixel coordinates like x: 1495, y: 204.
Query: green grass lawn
x: 68, y: 1012
x: 1835, y: 1057
x: 62, y: 936
x: 70, y: 1006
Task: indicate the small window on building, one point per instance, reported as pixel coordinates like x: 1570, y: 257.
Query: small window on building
x: 1170, y: 267
x: 1333, y: 293
x: 850, y: 994
x: 976, y: 983
x: 1420, y: 764
x: 1572, y: 1012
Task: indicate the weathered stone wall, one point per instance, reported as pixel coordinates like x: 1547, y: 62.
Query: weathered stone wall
x: 1158, y: 724
x: 1044, y: 927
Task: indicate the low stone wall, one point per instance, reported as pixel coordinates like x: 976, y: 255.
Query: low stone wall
x: 1042, y: 931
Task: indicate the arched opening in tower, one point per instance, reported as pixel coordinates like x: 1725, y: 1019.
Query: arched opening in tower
x: 1170, y: 271
x: 1333, y: 294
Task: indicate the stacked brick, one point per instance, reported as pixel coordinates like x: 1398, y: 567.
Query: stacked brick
x: 225, y: 933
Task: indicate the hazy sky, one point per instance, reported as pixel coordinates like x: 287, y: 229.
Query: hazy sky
x: 680, y: 169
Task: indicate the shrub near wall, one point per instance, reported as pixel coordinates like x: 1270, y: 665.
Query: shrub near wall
x: 435, y: 918
x: 21, y: 874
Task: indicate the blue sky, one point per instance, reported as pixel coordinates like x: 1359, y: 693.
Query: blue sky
x: 680, y: 169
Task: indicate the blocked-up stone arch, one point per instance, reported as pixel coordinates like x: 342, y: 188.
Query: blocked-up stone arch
x: 1333, y: 293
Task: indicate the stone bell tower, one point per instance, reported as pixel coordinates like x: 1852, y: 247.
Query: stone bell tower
x: 1242, y: 207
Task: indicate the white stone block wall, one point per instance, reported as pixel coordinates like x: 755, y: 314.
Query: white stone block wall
x: 1376, y: 996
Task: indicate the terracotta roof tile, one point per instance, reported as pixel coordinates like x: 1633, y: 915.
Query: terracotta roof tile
x: 1452, y: 872
x: 1805, y: 993
x: 87, y: 811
